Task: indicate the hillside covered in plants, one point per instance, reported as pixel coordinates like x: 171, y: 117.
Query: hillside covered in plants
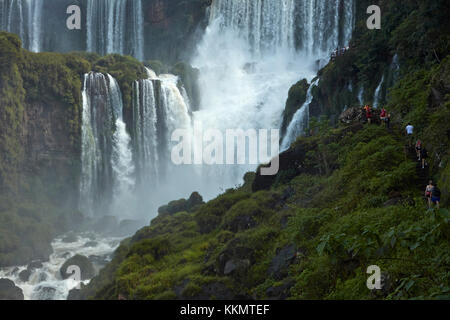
x: 348, y: 194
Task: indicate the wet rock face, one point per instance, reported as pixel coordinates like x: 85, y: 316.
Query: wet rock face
x: 74, y: 294
x: 235, y: 259
x: 25, y: 275
x: 172, y: 27
x: 281, y: 262
x: 49, y: 150
x: 9, y: 290
x: 86, y: 267
x: 156, y: 13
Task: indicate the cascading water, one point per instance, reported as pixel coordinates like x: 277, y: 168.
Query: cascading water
x: 324, y: 25
x: 45, y: 282
x: 145, y: 129
x: 122, y: 161
x: 377, y: 95
x: 250, y: 55
x: 299, y: 121
x: 159, y: 108
x: 107, y: 167
x: 361, y: 95
x: 115, y: 26
x: 23, y: 17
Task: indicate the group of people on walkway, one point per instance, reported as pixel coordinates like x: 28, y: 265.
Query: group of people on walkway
x: 432, y: 192
x: 385, y: 117
x: 421, y: 150
x: 338, y: 52
x: 422, y: 153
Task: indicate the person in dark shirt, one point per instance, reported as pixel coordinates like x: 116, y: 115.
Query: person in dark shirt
x: 435, y: 195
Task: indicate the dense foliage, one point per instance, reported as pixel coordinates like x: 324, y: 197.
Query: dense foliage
x: 346, y: 197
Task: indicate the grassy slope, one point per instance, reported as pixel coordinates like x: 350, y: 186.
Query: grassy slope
x: 354, y: 202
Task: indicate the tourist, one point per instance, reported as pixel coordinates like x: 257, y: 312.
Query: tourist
x: 418, y: 148
x: 424, y: 156
x: 383, y: 115
x: 428, y: 190
x: 435, y: 195
x: 409, y: 134
x: 368, y: 114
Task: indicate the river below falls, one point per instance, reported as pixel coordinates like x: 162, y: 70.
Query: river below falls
x: 46, y: 283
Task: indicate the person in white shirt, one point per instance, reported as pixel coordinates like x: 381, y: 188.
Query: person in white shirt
x: 409, y: 133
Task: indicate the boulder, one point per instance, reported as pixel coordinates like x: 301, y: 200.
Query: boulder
x: 74, y: 294
x: 9, y: 290
x: 281, y: 261
x: 24, y: 275
x: 194, y: 200
x: 235, y: 256
x: 86, y: 267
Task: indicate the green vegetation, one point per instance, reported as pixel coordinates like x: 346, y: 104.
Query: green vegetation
x: 335, y: 224
x: 346, y: 196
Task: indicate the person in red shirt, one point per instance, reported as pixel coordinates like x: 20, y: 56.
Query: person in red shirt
x: 368, y: 114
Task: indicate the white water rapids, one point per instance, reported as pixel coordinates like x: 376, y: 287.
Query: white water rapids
x: 46, y: 283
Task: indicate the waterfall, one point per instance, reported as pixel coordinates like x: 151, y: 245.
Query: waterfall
x: 361, y: 95
x: 23, y: 17
x: 106, y: 161
x: 300, y: 120
x: 264, y: 24
x: 122, y: 161
x: 115, y: 26
x: 145, y: 129
x: 377, y: 95
x: 251, y: 54
x: 324, y: 25
x: 159, y: 108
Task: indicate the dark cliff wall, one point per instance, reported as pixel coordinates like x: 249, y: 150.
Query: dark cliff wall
x: 172, y: 28
x: 40, y: 112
